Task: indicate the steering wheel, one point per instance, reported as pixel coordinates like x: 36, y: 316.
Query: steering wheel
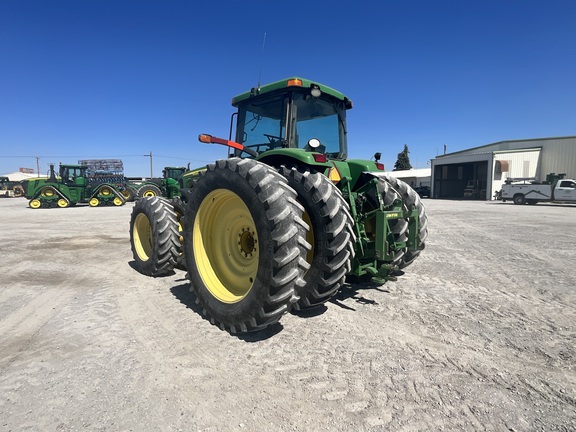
x: 275, y: 141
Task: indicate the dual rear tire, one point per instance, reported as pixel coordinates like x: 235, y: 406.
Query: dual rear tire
x: 245, y: 244
x: 331, y: 234
x: 257, y: 242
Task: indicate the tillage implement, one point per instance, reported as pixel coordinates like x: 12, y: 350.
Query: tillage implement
x: 286, y: 218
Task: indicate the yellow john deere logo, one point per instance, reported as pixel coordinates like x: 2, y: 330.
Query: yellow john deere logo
x: 392, y: 215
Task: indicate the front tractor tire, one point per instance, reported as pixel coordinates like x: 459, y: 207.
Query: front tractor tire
x: 149, y: 190
x: 154, y: 236
x: 331, y: 235
x: 245, y: 244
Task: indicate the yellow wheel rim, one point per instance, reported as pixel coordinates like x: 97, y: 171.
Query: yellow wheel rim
x: 118, y: 201
x: 105, y: 191
x: 149, y: 193
x: 142, y: 235
x: 126, y: 193
x: 62, y: 203
x: 47, y: 192
x: 35, y: 204
x: 226, y: 247
x: 94, y: 202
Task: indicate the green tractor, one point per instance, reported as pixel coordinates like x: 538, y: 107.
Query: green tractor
x: 286, y: 218
x: 168, y: 185
x: 69, y: 188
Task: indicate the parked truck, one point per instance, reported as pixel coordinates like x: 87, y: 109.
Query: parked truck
x: 528, y: 190
x: 286, y: 218
x: 10, y: 189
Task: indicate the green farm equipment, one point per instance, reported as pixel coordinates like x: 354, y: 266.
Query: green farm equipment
x: 69, y: 188
x: 168, y: 185
x: 286, y: 219
x: 10, y: 189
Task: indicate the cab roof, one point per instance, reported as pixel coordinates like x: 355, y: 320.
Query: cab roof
x: 292, y: 82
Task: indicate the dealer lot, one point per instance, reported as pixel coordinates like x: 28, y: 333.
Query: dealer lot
x: 479, y: 334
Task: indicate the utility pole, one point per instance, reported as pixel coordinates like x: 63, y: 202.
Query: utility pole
x: 150, y: 156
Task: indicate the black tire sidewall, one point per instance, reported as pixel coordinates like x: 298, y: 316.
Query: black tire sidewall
x: 519, y: 199
x: 244, y: 309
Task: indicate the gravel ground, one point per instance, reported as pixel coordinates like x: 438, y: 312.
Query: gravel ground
x: 479, y: 334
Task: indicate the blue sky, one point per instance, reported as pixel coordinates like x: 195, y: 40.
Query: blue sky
x: 86, y: 79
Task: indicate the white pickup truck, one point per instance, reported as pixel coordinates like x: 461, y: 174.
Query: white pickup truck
x: 530, y: 191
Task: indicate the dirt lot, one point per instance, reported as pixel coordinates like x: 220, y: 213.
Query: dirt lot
x: 479, y: 334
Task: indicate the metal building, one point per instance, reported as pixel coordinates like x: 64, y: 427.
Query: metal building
x: 479, y: 172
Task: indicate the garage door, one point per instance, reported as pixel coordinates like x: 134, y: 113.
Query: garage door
x: 461, y: 180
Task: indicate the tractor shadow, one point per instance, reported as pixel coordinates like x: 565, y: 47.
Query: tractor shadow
x: 188, y: 298
x: 352, y: 291
x: 349, y: 291
x: 133, y: 266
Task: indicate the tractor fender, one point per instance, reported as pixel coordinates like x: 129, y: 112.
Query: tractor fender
x: 357, y: 168
x: 298, y: 157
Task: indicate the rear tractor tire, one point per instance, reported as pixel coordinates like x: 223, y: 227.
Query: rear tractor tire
x: 412, y: 201
x: 128, y: 193
x: 245, y: 244
x: 331, y: 235
x: 154, y: 236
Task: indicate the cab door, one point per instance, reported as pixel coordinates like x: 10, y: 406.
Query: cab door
x: 565, y: 191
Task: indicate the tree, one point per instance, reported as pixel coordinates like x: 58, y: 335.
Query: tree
x: 403, y: 161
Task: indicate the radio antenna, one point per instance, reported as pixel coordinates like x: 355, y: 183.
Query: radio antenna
x: 261, y: 61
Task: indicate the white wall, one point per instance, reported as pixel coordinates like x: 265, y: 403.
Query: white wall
x: 520, y: 164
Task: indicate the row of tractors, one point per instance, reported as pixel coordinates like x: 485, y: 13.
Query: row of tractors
x: 72, y: 185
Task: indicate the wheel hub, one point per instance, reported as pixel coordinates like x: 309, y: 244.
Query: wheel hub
x: 247, y: 242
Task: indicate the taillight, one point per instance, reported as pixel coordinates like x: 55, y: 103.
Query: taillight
x: 380, y: 166
x: 319, y: 157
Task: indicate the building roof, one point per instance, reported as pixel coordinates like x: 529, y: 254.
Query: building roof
x: 418, y: 173
x: 479, y: 148
x: 18, y: 176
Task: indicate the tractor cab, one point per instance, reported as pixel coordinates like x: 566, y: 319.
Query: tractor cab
x: 175, y: 173
x: 73, y: 175
x: 294, y: 113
